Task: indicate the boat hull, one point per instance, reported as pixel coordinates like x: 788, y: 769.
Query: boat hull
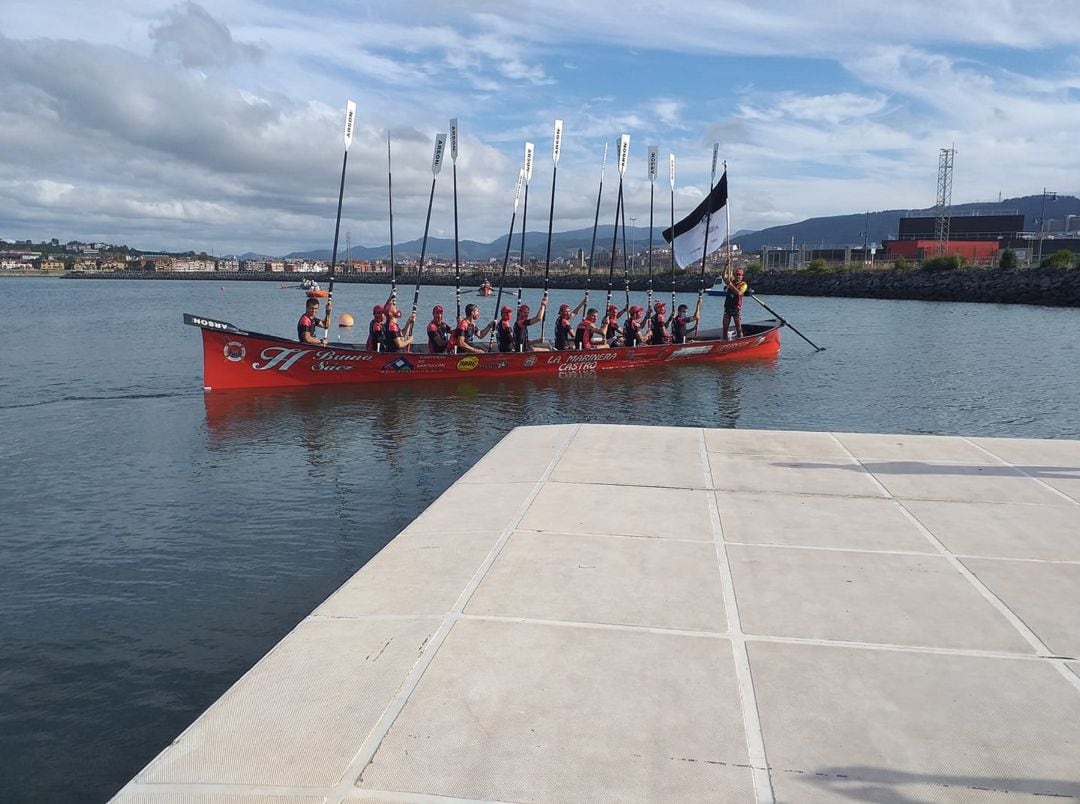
x: 233, y: 358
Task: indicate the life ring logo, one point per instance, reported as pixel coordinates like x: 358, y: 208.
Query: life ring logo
x: 468, y: 363
x: 235, y: 351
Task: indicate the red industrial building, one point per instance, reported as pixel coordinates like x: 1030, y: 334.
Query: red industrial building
x: 976, y: 238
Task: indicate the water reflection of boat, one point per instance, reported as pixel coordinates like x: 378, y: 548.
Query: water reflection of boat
x: 234, y: 358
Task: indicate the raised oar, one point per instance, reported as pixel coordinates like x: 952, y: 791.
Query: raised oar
x: 390, y: 197
x: 457, y: 255
x: 506, y: 258
x: 350, y: 118
x: 625, y: 258
x: 595, y: 226
x: 524, y: 216
x: 652, y: 193
x: 436, y: 166
x: 671, y: 179
x: 786, y: 323
x: 556, y: 145
x: 624, y: 152
x: 708, y: 223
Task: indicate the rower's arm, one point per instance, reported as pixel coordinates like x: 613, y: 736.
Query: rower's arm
x: 484, y: 332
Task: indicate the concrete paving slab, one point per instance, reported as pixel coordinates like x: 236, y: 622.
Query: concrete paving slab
x: 865, y: 597
x: 300, y: 714
x: 188, y: 797
x: 621, y: 510
x: 424, y: 573
x: 1074, y: 667
x: 925, y: 480
x: 524, y: 455
x: 875, y: 447
x: 601, y: 453
x: 833, y: 476
x: 902, y: 722
x: 605, y: 579
x: 1067, y: 484
x: 1046, y: 596
x: 774, y: 443
x: 862, y: 523
x: 529, y: 712
x: 1004, y: 530
x: 471, y: 507
x: 1033, y: 452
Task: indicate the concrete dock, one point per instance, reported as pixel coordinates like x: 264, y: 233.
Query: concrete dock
x: 603, y: 613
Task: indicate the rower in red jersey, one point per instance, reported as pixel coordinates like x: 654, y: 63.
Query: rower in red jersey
x: 439, y: 334
x: 466, y: 336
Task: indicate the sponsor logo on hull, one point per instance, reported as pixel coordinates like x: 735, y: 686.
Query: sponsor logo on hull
x: 468, y: 363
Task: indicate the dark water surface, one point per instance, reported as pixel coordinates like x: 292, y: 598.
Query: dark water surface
x: 155, y: 541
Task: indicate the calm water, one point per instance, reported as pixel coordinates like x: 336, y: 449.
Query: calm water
x: 156, y: 541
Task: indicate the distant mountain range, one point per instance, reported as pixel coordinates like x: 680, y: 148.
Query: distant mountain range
x: 835, y: 230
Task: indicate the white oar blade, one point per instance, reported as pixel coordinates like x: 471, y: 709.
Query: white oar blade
x: 624, y: 152
x: 653, y: 158
x: 437, y: 157
x: 529, y: 147
x: 517, y: 190
x: 350, y: 119
x: 453, y: 139
x: 671, y: 170
x: 556, y: 142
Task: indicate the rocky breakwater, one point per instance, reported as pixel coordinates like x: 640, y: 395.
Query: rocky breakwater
x: 1049, y: 286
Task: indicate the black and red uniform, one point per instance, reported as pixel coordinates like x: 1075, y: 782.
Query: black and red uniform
x: 435, y: 333
x: 564, y: 335
x: 504, y: 335
x: 465, y: 333
x: 521, y: 336
x: 631, y: 333
x: 307, y: 323
x: 375, y: 340
x: 390, y: 335
x: 659, y: 331
x: 678, y: 328
x: 583, y: 335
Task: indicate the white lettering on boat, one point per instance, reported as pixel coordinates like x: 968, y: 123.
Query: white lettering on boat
x: 687, y: 351
x: 576, y: 368
x: 280, y: 358
x: 206, y: 322
x: 583, y: 358
x: 330, y: 354
x: 324, y: 366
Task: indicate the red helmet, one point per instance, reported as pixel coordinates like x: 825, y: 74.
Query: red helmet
x: 437, y: 309
x: 377, y: 310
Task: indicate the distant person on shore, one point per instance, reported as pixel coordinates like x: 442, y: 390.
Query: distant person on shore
x: 305, y: 327
x: 522, y: 342
x: 736, y: 289
x: 679, y: 325
x: 376, y: 339
x: 466, y: 335
x: 588, y: 332
x: 439, y: 334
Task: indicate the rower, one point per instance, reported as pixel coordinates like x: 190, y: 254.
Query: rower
x: 632, y: 328
x: 504, y: 330
x: 305, y: 327
x: 679, y: 328
x: 439, y: 334
x: 588, y: 329
x: 521, y: 329
x: 466, y: 335
x: 394, y: 339
x: 658, y: 332
x: 612, y: 330
x: 564, y: 332
x: 376, y: 339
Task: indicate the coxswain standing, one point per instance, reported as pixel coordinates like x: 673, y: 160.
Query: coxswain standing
x: 564, y: 331
x: 632, y: 328
x: 439, y: 334
x: 466, y: 334
x: 522, y: 343
x: 376, y: 339
x: 679, y: 328
x: 583, y: 337
x: 305, y: 327
x: 736, y: 289
x: 397, y: 340
x: 504, y: 330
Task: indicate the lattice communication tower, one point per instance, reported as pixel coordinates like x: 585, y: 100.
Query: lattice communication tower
x: 944, y: 199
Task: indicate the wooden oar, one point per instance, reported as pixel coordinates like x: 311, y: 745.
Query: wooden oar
x: 390, y: 197
x: 624, y: 153
x: 436, y: 166
x: 506, y: 258
x: 787, y: 324
x: 556, y: 146
x: 457, y: 254
x: 350, y: 118
x: 524, y: 218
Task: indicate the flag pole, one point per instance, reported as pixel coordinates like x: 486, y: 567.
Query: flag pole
x: 457, y: 253
x: 524, y: 215
x: 596, y: 224
x: 624, y: 149
x: 350, y: 119
x: 506, y: 257
x: 555, y: 147
x: 436, y: 166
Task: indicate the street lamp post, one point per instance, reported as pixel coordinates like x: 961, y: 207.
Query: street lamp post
x: 1042, y: 220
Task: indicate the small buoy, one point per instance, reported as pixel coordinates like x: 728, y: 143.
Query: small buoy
x: 222, y: 287
x: 345, y: 320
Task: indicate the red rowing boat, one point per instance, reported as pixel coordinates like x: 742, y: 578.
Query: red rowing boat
x: 234, y: 358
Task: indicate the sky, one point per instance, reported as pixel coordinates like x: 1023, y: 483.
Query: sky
x: 218, y: 126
